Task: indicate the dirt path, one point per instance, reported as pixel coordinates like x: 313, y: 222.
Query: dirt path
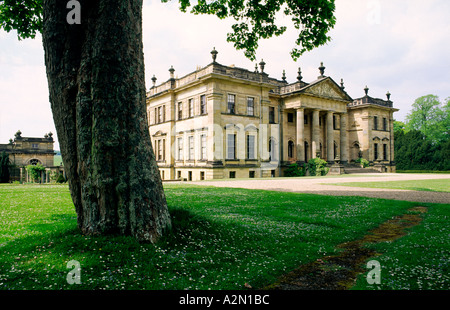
x: 322, y: 186
x: 339, y: 272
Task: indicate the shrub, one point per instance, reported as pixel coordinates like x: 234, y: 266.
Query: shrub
x: 317, y: 166
x: 294, y: 170
x: 35, y: 171
x: 363, y: 162
x: 60, y: 179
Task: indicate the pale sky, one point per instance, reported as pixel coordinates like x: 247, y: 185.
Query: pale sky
x: 400, y: 46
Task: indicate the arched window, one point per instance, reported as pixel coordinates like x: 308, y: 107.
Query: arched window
x: 270, y: 148
x: 273, y: 147
x: 34, y: 161
x: 356, y: 151
x: 306, y: 151
x: 290, y: 149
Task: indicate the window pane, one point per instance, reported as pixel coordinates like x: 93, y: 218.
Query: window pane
x: 180, y: 148
x: 191, y: 108
x: 202, y: 104
x: 203, y: 146
x: 250, y: 106
x: 180, y: 110
x: 271, y: 115
x: 191, y: 148
x: 290, y: 117
x: 231, y: 104
x: 251, y: 147
x: 231, y: 146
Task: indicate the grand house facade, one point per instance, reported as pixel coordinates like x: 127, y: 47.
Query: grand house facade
x: 228, y: 122
x: 24, y: 151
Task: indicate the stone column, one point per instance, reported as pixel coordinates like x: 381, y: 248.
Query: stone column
x: 344, y: 139
x: 315, y: 146
x: 330, y: 138
x: 391, y: 137
x: 300, y: 135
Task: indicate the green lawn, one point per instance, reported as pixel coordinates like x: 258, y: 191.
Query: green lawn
x: 435, y: 185
x: 222, y: 238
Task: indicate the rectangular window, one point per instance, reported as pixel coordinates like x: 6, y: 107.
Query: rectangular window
x: 180, y: 110
x: 250, y: 147
x: 375, y: 123
x: 35, y: 145
x: 334, y: 122
x: 271, y: 115
x: 160, y: 115
x: 251, y: 106
x: 251, y: 174
x: 375, y: 151
x: 163, y: 149
x: 202, y: 175
x: 232, y: 174
x: 156, y: 116
x: 191, y: 148
x: 384, y: 124
x: 179, y: 175
x: 202, y: 104
x: 231, y: 104
x: 191, y: 108
x: 203, y: 147
x: 385, y: 152
x: 160, y: 150
x: 190, y: 175
x: 180, y: 148
x: 290, y: 117
x: 231, y: 143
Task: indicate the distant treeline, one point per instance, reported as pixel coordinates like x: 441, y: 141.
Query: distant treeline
x: 423, y: 141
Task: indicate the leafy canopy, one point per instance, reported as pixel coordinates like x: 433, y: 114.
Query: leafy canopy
x: 255, y: 19
x: 35, y: 171
x: 25, y: 16
x: 431, y: 117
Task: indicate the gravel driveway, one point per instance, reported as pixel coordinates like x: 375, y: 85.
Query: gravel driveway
x: 319, y: 185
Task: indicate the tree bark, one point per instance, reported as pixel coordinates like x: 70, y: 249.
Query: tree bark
x: 95, y: 73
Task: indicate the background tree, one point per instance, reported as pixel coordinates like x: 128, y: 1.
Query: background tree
x: 399, y: 126
x: 423, y: 143
x: 95, y: 73
x: 428, y: 115
x: 5, y: 164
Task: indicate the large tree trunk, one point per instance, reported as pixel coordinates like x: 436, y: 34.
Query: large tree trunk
x: 95, y: 73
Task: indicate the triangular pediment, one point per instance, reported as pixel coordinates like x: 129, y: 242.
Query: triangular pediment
x: 159, y: 133
x: 328, y: 89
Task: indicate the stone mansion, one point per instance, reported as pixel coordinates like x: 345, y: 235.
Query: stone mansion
x: 24, y: 151
x: 228, y: 122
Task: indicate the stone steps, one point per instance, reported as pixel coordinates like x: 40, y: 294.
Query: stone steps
x: 350, y: 170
